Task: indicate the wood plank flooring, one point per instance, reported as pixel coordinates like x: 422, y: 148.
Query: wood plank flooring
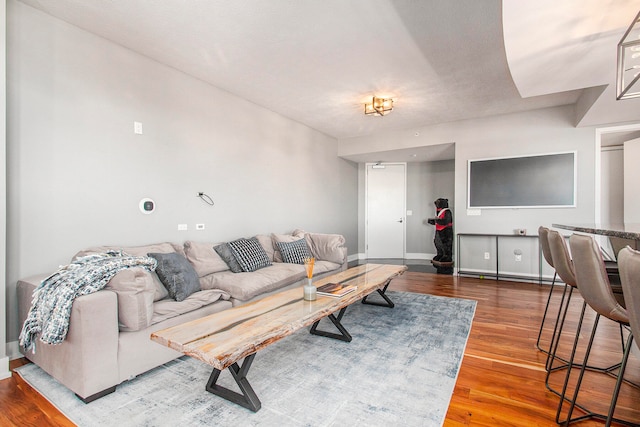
x: 501, y: 381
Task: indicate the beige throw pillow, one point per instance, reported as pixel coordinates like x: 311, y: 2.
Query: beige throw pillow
x: 267, y: 244
x: 326, y: 247
x: 204, y: 259
x: 165, y: 247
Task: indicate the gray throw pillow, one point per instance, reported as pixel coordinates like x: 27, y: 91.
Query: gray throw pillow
x: 294, y: 252
x: 250, y: 254
x: 177, y: 275
x: 224, y: 250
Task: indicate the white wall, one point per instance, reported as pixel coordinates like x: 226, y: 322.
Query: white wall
x: 631, y: 180
x: 540, y: 131
x: 612, y: 185
x: 76, y: 170
x: 4, y: 361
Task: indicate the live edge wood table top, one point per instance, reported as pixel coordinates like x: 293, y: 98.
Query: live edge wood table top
x: 222, y: 339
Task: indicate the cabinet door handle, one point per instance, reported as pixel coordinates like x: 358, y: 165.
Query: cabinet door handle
x: 400, y: 221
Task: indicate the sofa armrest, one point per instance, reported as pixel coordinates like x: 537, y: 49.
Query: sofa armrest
x: 86, y: 362
x: 345, y: 260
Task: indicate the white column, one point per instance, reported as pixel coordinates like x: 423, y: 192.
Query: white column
x: 4, y: 360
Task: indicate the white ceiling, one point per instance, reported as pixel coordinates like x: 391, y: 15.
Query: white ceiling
x: 316, y: 62
x: 555, y: 46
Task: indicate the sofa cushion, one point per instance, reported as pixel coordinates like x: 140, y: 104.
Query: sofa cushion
x: 204, y: 258
x: 177, y: 275
x: 294, y: 252
x: 166, y: 247
x: 135, y: 291
x: 224, y: 250
x: 320, y: 267
x: 244, y: 286
x: 166, y: 309
x: 250, y: 254
x: 296, y: 235
x: 327, y: 247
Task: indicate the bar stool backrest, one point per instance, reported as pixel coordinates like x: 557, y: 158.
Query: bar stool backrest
x: 544, y: 243
x: 629, y: 263
x: 561, y: 258
x: 591, y: 276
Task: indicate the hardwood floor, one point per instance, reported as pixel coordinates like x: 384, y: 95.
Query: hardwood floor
x: 502, y: 378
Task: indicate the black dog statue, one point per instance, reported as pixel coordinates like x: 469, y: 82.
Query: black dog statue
x: 443, y: 239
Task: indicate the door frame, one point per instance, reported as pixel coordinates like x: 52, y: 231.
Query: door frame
x: 366, y: 207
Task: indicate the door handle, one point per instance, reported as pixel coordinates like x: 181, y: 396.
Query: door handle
x: 400, y: 221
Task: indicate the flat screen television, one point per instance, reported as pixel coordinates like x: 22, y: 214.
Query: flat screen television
x: 532, y: 181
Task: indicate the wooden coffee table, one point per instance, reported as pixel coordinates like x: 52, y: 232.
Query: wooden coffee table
x: 222, y: 339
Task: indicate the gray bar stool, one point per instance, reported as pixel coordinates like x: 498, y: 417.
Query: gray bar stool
x: 595, y: 288
x: 629, y: 265
x: 564, y: 268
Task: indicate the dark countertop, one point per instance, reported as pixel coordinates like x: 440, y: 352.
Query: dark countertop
x: 624, y: 231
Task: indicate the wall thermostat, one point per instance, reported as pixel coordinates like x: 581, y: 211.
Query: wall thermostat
x: 147, y: 206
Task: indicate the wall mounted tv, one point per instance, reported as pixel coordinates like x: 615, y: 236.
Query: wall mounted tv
x: 534, y: 181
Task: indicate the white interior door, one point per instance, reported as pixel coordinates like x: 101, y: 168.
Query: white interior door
x: 386, y: 199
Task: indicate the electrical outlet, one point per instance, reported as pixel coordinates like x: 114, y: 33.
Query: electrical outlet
x: 487, y: 255
x: 518, y: 258
x: 183, y: 227
x: 199, y: 226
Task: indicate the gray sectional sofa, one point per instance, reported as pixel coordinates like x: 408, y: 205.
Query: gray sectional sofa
x: 108, y: 337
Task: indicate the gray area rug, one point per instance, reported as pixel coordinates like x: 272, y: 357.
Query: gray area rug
x: 400, y: 368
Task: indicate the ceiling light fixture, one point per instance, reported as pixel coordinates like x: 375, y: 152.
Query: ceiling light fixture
x: 628, y: 76
x: 378, y: 106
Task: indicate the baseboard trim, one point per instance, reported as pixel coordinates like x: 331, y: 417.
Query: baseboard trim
x: 13, y: 350
x: 353, y: 257
x: 418, y: 255
x: 410, y: 255
x: 4, y: 368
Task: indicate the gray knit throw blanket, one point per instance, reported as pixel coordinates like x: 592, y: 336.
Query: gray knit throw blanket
x: 53, y: 298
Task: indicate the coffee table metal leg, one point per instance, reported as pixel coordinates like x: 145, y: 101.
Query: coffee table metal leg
x: 383, y: 294
x: 248, y: 398
x: 342, y: 336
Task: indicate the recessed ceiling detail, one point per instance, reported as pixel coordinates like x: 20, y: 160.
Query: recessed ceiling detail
x: 321, y: 53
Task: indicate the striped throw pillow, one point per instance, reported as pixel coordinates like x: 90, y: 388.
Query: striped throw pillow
x: 294, y: 252
x: 250, y: 254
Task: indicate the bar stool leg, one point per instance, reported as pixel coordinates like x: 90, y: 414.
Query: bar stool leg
x: 544, y: 316
x: 580, y: 377
x: 571, y: 364
x: 557, y: 331
x: 616, y: 391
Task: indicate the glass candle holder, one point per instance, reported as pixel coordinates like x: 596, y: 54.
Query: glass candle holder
x: 309, y: 290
